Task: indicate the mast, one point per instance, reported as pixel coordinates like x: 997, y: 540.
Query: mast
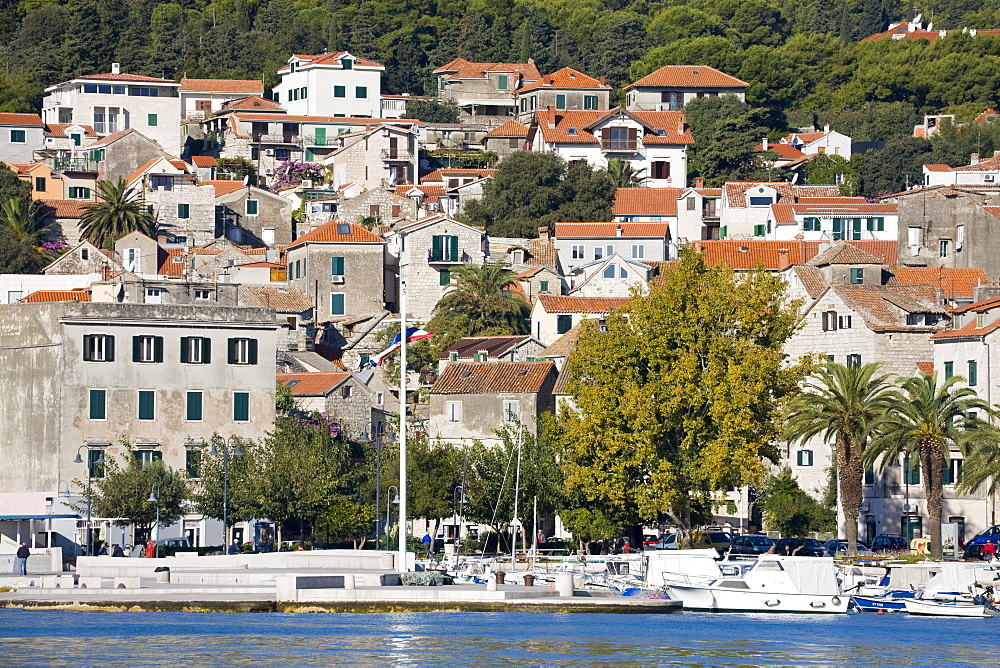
x: 401, y: 555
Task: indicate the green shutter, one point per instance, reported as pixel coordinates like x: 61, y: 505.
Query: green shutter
x: 136, y: 348
x: 911, y: 472
x: 949, y: 370
x: 320, y: 139
x: 232, y: 351
x: 147, y: 405
x: 337, y: 266
x: 857, y: 229
x: 109, y: 348
x: 183, y: 210
x: 251, y: 207
x: 560, y: 101
x: 206, y: 350
x: 184, y: 349
x: 880, y: 224
x: 86, y: 347
x: 337, y: 303
x: 241, y: 407
x: 973, y: 372
x: 340, y: 91
x: 454, y: 248
x: 194, y: 406
x: 543, y: 286
x: 157, y: 456
x: 310, y: 157
x: 870, y: 475
x: 444, y: 277
x: 502, y: 82
x: 838, y: 229
x: 98, y: 404
x: 151, y: 120
x: 252, y: 351
x: 435, y: 247
x: 157, y: 349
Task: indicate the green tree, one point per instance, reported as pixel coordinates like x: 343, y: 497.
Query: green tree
x: 119, y: 209
x: 928, y: 421
x: 587, y: 526
x: 434, y: 470
x: 25, y: 220
x: 844, y: 405
x: 790, y: 510
x: 242, y: 493
x: 826, y: 169
x: 725, y: 131
x: 433, y: 111
x: 681, y: 396
x: 480, y: 303
x: 622, y: 174
x: 895, y: 168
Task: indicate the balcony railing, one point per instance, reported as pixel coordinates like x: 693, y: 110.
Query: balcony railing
x: 284, y: 138
x: 619, y: 145
x: 445, y: 256
x: 397, y: 154
x: 312, y: 140
x: 73, y: 165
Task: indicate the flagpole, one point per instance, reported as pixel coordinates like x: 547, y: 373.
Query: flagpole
x: 401, y: 556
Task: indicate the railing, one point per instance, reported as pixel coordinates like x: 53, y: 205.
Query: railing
x: 397, y: 154
x: 73, y: 165
x: 446, y: 257
x: 311, y: 140
x: 285, y: 138
x: 619, y: 145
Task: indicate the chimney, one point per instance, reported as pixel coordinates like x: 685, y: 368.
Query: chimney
x: 783, y: 259
x: 543, y: 233
x: 161, y: 239
x: 531, y: 61
x: 618, y: 231
x: 600, y: 79
x: 681, y: 126
x: 699, y: 181
x: 116, y: 68
x: 763, y: 144
x: 552, y: 111
x: 974, y: 159
x: 826, y: 128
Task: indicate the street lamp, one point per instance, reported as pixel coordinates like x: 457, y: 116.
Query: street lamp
x: 380, y: 440
x: 154, y: 497
x: 90, y: 465
x: 388, y: 505
x: 237, y: 452
x: 455, y: 504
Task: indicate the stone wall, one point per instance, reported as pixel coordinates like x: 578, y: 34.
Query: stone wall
x: 362, y: 286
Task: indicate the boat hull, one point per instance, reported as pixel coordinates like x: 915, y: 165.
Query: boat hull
x: 714, y: 599
x: 874, y: 604
x: 940, y: 609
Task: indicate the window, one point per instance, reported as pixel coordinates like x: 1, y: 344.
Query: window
x: 661, y: 170
x: 761, y: 201
x: 251, y: 207
x: 511, y: 411
x: 619, y: 138
x: 609, y: 271
x: 161, y: 181
x: 94, y: 464
x: 193, y: 411
x: 98, y: 348
x: 361, y: 92
x: 98, y: 404
x: 241, y: 406
x: 870, y: 474
x: 192, y: 462
x: 346, y: 391
x: 84, y: 253
x: 337, y: 266
x: 638, y: 251
x: 337, y: 303
x: 973, y: 377
x: 444, y: 277
x: 202, y: 295
x: 147, y: 405
x: 137, y: 91
x: 503, y: 83
x: 154, y: 295
x: 183, y: 210
x: 911, y: 471
x: 949, y: 370
x: 147, y: 349
x: 857, y: 275
x: 454, y: 411
x: 804, y: 457
x: 543, y: 286
x: 590, y: 102
x: 951, y: 473
x: 855, y: 229
x: 944, y: 247
x: 18, y: 137
x: 829, y: 321
x: 151, y: 120
x: 303, y: 92
x: 380, y: 398
x: 854, y: 361
x: 876, y: 224
x: 959, y: 237
x: 560, y: 101
x: 759, y: 230
x: 913, y: 239
x: 77, y: 138
x: 564, y: 323
x: 444, y: 248
x: 576, y: 251
x: 242, y: 351
x: 844, y: 322
x: 76, y: 192
x: 692, y: 203
x: 811, y: 225
x: 196, y: 350
x: 144, y: 457
x: 39, y: 183
x: 532, y: 100
x: 340, y: 91
x: 838, y: 229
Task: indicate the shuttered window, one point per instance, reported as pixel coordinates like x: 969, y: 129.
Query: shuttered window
x: 337, y: 266
x: 241, y: 406
x: 98, y: 404
x: 147, y: 405
x: 242, y: 351
x: 194, y: 410
x: 336, y: 303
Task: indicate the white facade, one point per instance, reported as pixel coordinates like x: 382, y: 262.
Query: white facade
x: 552, y: 316
x: 579, y: 244
x: 698, y: 215
x: 850, y: 221
x: 828, y: 141
x: 331, y: 84
x: 614, y: 276
x: 116, y: 101
x: 202, y: 97
x: 978, y: 173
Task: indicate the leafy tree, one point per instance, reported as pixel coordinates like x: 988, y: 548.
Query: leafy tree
x: 433, y: 111
x: 119, y: 209
x: 587, y: 526
x: 791, y: 511
x: 681, y: 396
x: 479, y: 304
x: 24, y: 219
x: 843, y: 404
x: 895, y: 168
x: 725, y: 131
x: 826, y: 169
x: 927, y: 422
x: 622, y: 174
x: 242, y: 499
x: 434, y: 470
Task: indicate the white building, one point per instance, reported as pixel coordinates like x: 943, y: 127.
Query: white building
x: 613, y: 276
x: 552, y: 315
x: 831, y: 219
x: 331, y: 84
x: 746, y: 206
x: 581, y: 243
x: 698, y: 215
x: 671, y: 87
x: 118, y: 101
x: 827, y: 141
x: 202, y: 97
x: 978, y: 172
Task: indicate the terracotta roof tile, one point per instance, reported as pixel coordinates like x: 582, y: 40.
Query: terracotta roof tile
x: 330, y: 59
x: 564, y: 345
x: 787, y: 192
x: 543, y: 253
x: 885, y: 307
x: 955, y: 282
x: 332, y: 232
x: 56, y: 296
x: 59, y: 129
x: 313, y: 384
x: 748, y: 254
x: 804, y: 137
x: 812, y: 279
x: 123, y: 76
x: 926, y: 367
x: 64, y: 208
x: 281, y: 299
x: 33, y: 120
x: 981, y: 306
x: 203, y: 161
x: 937, y: 167
x: 844, y: 253
x: 442, y: 175
x: 582, y: 122
x: 166, y: 259
x: 463, y: 69
x: 784, y: 151
x: 610, y: 230
x: 509, y: 129
x: 246, y: 87
x: 689, y: 76
x: 468, y: 346
x: 646, y: 201
x: 567, y: 77
x: 559, y: 304
x: 253, y: 103
x: 493, y: 377
x: 223, y: 188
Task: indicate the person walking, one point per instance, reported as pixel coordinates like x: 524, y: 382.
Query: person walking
x: 116, y: 550
x: 235, y: 547
x: 22, y: 559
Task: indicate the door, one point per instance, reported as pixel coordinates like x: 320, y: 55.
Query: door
x: 913, y: 527
x: 203, y: 106
x: 393, y: 148
x: 870, y: 529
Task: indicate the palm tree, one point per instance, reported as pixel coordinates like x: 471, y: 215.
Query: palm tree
x: 120, y: 209
x: 843, y: 404
x: 982, y: 466
x: 929, y: 422
x: 480, y: 297
x: 25, y: 220
x: 622, y: 174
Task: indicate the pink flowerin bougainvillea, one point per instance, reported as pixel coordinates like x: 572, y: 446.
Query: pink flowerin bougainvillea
x: 290, y: 173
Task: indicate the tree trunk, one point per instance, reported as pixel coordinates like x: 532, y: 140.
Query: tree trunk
x: 932, y: 459
x: 849, y: 476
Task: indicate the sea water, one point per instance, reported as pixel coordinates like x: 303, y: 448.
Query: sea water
x: 58, y: 637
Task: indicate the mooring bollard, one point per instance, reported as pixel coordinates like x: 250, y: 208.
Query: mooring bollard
x: 564, y: 584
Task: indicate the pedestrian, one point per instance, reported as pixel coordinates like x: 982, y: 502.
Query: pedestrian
x: 116, y: 550
x: 989, y: 552
x: 426, y: 542
x: 102, y: 550
x: 22, y: 559
x: 235, y: 547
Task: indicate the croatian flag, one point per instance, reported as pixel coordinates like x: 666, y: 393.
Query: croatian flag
x: 412, y: 334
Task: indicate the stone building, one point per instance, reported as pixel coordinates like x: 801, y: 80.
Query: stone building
x: 383, y: 204
x: 553, y: 316
x: 344, y: 397
x: 671, y: 87
x: 381, y: 157
x: 116, y: 156
x: 509, y: 138
x: 251, y: 216
x: 83, y: 258
x: 183, y: 209
x: 485, y: 92
x: 293, y: 312
x: 563, y: 89
x: 517, y: 348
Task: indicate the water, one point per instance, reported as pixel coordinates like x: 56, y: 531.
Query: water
x: 90, y: 638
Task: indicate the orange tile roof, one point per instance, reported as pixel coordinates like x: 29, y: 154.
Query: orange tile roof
x: 247, y: 87
x: 689, y: 76
x: 610, y: 230
x: 567, y: 77
x: 542, y: 252
x: 929, y: 35
x: 748, y: 254
x: 784, y: 151
x: 982, y: 306
x: 21, y: 119
x: 59, y: 129
x: 560, y: 304
x: 443, y: 174
x: 493, y: 377
x: 224, y: 187
x: 330, y: 233
x: 203, y: 161
x: 331, y: 120
x: 968, y: 330
x: 253, y: 103
x: 787, y: 192
x: 843, y: 253
x: 885, y: 307
x: 494, y: 345
x: 937, y: 167
x: 509, y: 129
x: 56, y: 296
x: 463, y: 69
x: 646, y: 201
x: 993, y: 211
x: 64, y: 208
x: 984, y: 165
x: 167, y: 265
x: 671, y: 123
x: 280, y: 298
x: 331, y: 58
x: 805, y: 137
x: 122, y: 76
x: 926, y: 367
x: 955, y: 282
x: 312, y: 384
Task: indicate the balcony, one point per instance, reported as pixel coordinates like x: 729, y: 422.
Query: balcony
x: 401, y: 155
x: 445, y: 256
x: 619, y: 146
x: 284, y: 138
x: 313, y: 140
x: 73, y: 165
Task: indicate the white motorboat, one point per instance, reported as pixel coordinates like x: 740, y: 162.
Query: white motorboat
x: 772, y: 584
x: 918, y: 606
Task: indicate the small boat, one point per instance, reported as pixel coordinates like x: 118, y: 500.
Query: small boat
x: 888, y: 603
x: 917, y: 606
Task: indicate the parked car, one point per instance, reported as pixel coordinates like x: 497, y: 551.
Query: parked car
x: 890, y: 543
x: 752, y: 544
x: 974, y: 548
x: 837, y: 546
x: 800, y: 547
x: 701, y: 540
x: 670, y: 541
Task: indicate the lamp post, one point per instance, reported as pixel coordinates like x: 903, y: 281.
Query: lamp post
x: 379, y: 441
x: 237, y: 452
x: 906, y: 483
x: 79, y: 460
x: 455, y: 505
x: 154, y: 497
x: 388, y: 505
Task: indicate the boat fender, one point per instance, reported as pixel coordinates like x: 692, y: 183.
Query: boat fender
x: 881, y: 611
x: 835, y: 600
x: 772, y: 603
x: 818, y: 604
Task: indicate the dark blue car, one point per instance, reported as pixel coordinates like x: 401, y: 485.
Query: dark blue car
x: 974, y: 548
